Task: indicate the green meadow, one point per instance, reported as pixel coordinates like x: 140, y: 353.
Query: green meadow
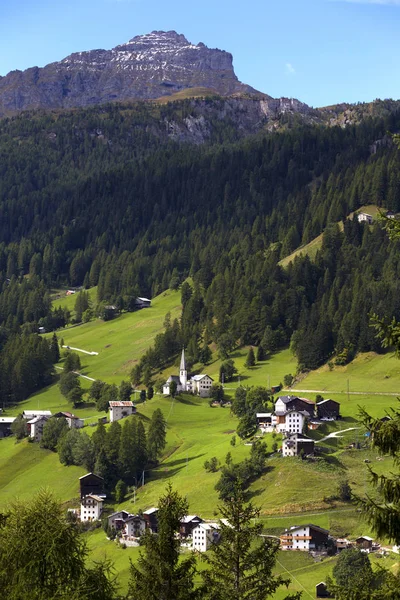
x: 290, y: 492
x: 120, y: 342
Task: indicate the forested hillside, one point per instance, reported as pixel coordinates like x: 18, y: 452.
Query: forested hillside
x: 105, y: 197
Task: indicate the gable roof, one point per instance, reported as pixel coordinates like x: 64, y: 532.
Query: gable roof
x: 116, y: 403
x: 92, y: 475
x: 310, y: 525
x: 94, y: 496
x: 173, y: 378
x: 36, y: 413
x: 190, y: 518
x: 38, y: 419
x: 118, y: 513
x: 327, y: 400
x: 201, y: 376
x: 150, y: 511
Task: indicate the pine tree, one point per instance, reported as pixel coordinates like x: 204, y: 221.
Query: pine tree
x: 127, y: 454
x: 241, y: 563
x: 55, y: 349
x: 159, y: 573
x: 251, y: 359
x: 43, y: 556
x: 156, y: 435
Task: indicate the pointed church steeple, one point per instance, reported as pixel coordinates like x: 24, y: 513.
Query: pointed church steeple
x: 183, y: 371
x: 183, y: 362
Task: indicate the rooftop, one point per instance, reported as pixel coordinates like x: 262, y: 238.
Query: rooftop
x: 115, y: 403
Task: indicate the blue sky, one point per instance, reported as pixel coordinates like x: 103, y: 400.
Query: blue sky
x: 319, y: 51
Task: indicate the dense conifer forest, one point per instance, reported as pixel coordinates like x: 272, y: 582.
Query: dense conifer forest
x: 104, y: 197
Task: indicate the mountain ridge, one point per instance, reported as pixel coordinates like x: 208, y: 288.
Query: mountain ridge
x: 146, y: 67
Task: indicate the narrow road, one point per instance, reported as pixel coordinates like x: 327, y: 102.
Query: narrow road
x: 342, y: 392
x: 76, y: 373
x: 80, y: 350
x: 335, y: 434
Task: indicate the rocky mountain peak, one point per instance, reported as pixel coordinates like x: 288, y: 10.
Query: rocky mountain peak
x: 156, y: 64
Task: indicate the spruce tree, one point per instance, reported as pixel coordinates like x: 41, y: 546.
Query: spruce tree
x: 241, y: 564
x: 159, y: 574
x: 251, y: 359
x: 156, y: 435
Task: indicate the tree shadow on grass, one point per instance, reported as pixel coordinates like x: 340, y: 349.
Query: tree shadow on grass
x: 185, y: 401
x: 180, y: 461
x: 163, y: 473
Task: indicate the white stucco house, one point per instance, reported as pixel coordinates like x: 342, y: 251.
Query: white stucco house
x: 363, y: 217
x: 121, y: 409
x: 294, y: 421
x: 204, y: 535
x: 297, y: 442
x: 135, y: 526
x: 35, y: 427
x: 73, y: 421
x: 305, y: 538
x: 91, y: 507
x: 198, y: 384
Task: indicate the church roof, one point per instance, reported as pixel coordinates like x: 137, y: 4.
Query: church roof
x: 183, y: 362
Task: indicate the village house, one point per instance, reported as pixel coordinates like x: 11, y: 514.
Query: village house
x: 134, y: 526
x: 364, y: 218
x: 91, y: 484
x: 342, y: 544
x: 35, y: 427
x: 91, y: 507
x: 364, y: 542
x: 187, y: 525
x: 119, y: 409
x: 142, y: 302
x: 204, y: 535
x: 294, y: 421
x: 117, y: 520
x: 304, y: 538
x: 198, y: 384
x: 150, y: 517
x: 73, y: 421
x: 321, y: 591
x: 390, y: 214
x: 327, y: 409
x: 297, y: 443
x: 5, y: 426
x: 286, y: 403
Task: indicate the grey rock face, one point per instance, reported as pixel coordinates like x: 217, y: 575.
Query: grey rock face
x: 148, y: 66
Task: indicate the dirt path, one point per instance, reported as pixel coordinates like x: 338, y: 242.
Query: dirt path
x: 79, y: 374
x: 80, y: 350
x: 335, y: 434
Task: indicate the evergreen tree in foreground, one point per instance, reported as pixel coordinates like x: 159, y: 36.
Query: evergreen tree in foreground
x: 241, y: 564
x: 159, y: 574
x: 43, y: 557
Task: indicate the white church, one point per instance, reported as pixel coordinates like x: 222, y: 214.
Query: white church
x: 198, y: 384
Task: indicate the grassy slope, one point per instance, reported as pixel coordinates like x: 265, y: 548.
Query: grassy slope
x: 196, y: 432
x: 68, y: 302
x: 122, y: 341
x: 312, y: 247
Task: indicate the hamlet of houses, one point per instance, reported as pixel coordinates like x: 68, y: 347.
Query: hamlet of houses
x: 197, y: 533
x: 290, y: 417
